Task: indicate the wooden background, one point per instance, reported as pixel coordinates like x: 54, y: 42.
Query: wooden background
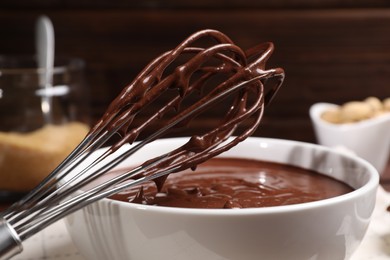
x: 332, y: 51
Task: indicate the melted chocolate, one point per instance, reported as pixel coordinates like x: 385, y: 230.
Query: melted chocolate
x: 188, y: 69
x: 237, y: 183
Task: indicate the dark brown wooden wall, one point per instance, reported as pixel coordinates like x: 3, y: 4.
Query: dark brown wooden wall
x: 331, y: 51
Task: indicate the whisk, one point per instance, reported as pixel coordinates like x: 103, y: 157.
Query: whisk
x: 183, y: 83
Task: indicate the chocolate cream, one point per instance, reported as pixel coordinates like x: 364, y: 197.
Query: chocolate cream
x: 237, y: 183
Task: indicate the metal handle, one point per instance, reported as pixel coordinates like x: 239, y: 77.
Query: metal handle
x: 10, y: 243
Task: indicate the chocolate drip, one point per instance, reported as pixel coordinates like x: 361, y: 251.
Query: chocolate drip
x: 187, y: 69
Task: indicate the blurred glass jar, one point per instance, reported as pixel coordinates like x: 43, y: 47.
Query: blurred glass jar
x: 39, y: 125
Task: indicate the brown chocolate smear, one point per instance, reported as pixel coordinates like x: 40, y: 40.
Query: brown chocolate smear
x: 237, y: 183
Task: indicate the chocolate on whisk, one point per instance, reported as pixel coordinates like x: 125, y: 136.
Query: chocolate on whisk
x: 217, y: 71
x: 199, y: 66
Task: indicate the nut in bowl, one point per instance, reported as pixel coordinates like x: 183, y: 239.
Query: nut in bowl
x: 326, y: 229
x: 368, y: 138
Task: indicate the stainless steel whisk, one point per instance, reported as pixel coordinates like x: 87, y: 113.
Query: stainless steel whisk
x: 237, y: 72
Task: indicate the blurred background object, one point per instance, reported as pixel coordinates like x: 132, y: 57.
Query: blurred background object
x: 332, y: 51
x: 368, y: 138
x: 21, y: 93
x: 43, y: 112
x: 32, y: 145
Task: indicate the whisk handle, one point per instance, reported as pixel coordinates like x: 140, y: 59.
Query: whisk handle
x: 10, y: 243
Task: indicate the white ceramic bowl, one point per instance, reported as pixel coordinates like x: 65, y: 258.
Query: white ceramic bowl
x: 369, y: 139
x: 327, y: 229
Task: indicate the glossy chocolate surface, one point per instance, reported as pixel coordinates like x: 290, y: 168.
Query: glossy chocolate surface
x: 237, y: 183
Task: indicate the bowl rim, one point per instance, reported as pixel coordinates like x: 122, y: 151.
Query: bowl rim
x: 317, y: 109
x: 371, y: 185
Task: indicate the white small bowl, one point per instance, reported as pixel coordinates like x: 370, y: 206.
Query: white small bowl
x: 327, y: 229
x: 369, y: 139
